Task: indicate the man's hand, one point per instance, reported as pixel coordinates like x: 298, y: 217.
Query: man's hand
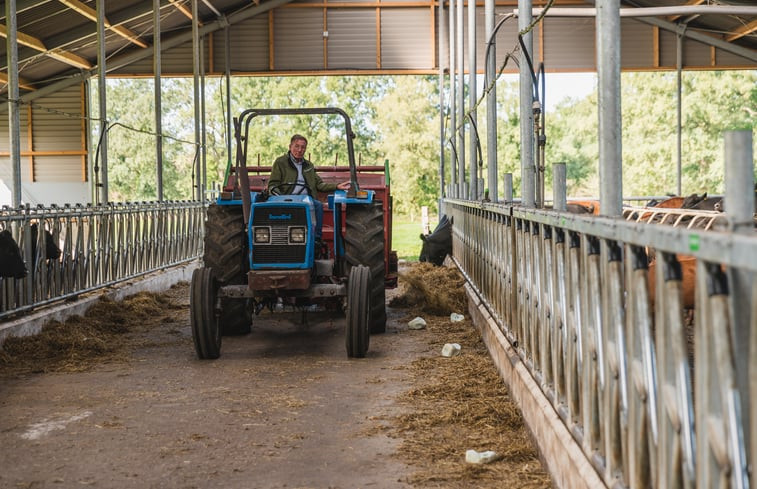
x: 343, y: 186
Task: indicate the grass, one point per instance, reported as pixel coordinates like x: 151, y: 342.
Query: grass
x: 406, y: 239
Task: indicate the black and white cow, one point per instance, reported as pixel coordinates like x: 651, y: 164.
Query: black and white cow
x: 438, y: 244
x: 11, y: 263
x: 52, y: 252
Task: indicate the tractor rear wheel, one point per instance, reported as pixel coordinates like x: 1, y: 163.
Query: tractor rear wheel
x: 226, y: 254
x: 364, y: 245
x: 358, y: 310
x: 206, y: 332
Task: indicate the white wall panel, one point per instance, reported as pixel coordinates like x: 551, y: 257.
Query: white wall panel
x: 406, y: 39
x: 57, y: 127
x: 249, y: 46
x: 568, y: 43
x: 298, y: 39
x: 352, y: 38
x: 637, y: 44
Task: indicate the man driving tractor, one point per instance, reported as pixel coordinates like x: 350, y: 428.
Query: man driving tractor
x: 293, y: 169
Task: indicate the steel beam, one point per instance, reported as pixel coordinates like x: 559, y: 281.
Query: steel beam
x: 440, y: 57
x: 102, y: 97
x: 227, y: 76
x: 528, y: 171
x: 460, y: 132
x: 739, y: 207
x: 472, y: 79
x: 196, y: 100
x: 453, y: 99
x: 608, y: 72
x: 491, y: 103
x: 14, y: 119
x: 158, y: 98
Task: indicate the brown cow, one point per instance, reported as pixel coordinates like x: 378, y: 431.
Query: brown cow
x: 688, y: 280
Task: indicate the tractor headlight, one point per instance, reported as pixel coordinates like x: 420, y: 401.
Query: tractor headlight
x: 262, y: 235
x: 297, y: 234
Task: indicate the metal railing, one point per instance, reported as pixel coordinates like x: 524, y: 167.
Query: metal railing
x: 602, y: 329
x: 99, y: 246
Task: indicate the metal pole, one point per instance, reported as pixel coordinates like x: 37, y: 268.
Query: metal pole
x: 472, y: 80
x: 452, y: 99
x: 463, y: 191
x: 739, y: 208
x: 14, y: 119
x: 203, y: 131
x: 679, y: 67
x: 196, y: 99
x: 158, y: 97
x: 89, y: 117
x: 440, y: 57
x: 508, y: 187
x: 559, y: 187
x: 526, y: 110
x: 102, y: 96
x: 608, y: 71
x: 227, y: 68
x: 491, y: 104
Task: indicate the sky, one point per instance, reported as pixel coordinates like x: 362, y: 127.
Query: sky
x: 559, y: 86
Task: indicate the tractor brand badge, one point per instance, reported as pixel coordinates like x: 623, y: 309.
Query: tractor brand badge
x: 282, y: 217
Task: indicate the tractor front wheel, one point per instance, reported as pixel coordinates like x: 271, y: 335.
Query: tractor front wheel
x: 206, y: 331
x: 226, y: 253
x: 364, y: 245
x: 358, y: 310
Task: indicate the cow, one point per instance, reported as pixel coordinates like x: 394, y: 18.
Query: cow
x: 583, y: 207
x: 52, y: 252
x: 438, y: 244
x: 11, y: 263
x: 579, y: 208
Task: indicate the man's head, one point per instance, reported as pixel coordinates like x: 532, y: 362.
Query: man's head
x: 297, y: 146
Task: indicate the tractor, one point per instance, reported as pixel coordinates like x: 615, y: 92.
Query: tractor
x: 260, y: 249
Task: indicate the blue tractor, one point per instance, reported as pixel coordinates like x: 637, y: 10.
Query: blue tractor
x: 260, y: 249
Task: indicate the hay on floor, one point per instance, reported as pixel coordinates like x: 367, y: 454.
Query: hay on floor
x: 458, y: 403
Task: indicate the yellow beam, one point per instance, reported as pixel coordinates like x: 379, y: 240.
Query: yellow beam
x: 21, y: 82
x: 743, y: 31
x: 59, y: 54
x: 69, y: 58
x: 91, y: 14
x: 181, y: 8
x: 24, y: 39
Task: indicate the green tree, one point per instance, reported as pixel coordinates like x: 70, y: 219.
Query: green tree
x: 408, y: 118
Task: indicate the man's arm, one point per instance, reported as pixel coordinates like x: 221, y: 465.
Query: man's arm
x: 276, y: 174
x: 322, y: 186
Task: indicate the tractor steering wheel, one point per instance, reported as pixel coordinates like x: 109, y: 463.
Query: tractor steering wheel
x: 276, y: 189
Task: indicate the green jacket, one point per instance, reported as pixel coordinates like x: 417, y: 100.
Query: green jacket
x: 284, y: 172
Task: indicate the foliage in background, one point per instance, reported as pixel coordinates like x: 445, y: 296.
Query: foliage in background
x: 713, y: 102
x: 408, y: 118
x: 397, y: 118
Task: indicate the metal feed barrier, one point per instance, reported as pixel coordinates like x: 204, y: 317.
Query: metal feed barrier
x: 571, y: 294
x: 100, y: 246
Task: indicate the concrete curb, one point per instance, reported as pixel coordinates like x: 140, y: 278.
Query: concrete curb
x: 154, y: 282
x: 563, y: 456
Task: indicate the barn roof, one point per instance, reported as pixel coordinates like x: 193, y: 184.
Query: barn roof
x: 58, y: 38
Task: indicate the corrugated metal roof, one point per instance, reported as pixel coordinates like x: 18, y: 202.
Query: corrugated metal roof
x: 64, y: 39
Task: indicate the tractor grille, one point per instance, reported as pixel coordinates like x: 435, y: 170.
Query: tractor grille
x: 279, y: 250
